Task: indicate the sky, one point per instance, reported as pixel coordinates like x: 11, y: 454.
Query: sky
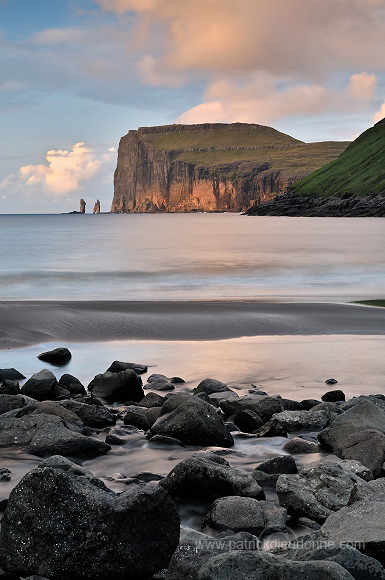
x: 77, y: 75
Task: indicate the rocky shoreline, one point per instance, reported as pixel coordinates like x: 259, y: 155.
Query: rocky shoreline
x: 293, y: 204
x: 321, y: 520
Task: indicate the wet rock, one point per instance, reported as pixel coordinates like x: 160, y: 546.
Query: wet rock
x: 157, y: 377
x: 298, y: 446
x: 360, y: 525
x: 290, y: 405
x: 317, y: 490
x: 152, y: 400
x: 265, y: 407
x: 244, y: 565
x: 367, y: 447
x: 45, y: 435
x: 40, y: 386
x: 196, y: 548
x: 247, y: 421
x: 120, y: 435
x: 63, y: 523
x: 308, y: 404
x: 72, y: 384
x: 378, y: 400
x: 331, y: 381
x: 334, y: 396
x: 208, y: 477
x: 118, y: 366
x: 117, y: 387
x: 308, y: 523
x: 8, y: 387
x: 192, y: 421
x: 137, y: 418
x: 216, y: 398
x: 363, y: 415
x: 10, y: 374
x: 10, y: 402
x: 328, y: 406
x: 361, y: 567
x: 245, y: 514
x: 5, y: 474
x: 164, y: 440
x: 57, y: 356
x: 210, y: 386
x: 91, y: 415
x: 278, y: 465
x: 71, y: 420
x: 292, y: 421
x: 177, y: 380
x: 160, y: 385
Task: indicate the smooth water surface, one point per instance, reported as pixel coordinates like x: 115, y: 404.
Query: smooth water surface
x: 190, y: 257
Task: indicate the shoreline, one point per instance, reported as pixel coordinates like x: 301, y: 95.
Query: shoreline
x: 24, y: 323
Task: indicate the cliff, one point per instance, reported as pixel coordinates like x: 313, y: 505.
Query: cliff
x: 351, y: 185
x: 210, y: 167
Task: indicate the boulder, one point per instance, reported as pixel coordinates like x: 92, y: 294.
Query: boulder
x: 334, y: 396
x: 57, y: 356
x: 152, y: 400
x: 117, y: 387
x: 245, y: 514
x: 279, y: 464
x: 40, y: 386
x: 308, y: 404
x: 137, y: 418
x: 264, y: 406
x: 196, y: 548
x: 118, y: 366
x: 319, y: 489
x: 70, y: 419
x: 8, y: 387
x: 45, y: 435
x: 72, y: 384
x: 244, y: 565
x: 10, y: 402
x: 210, y: 386
x: 361, y: 567
x: 120, y: 435
x: 192, y: 421
x: 292, y: 421
x: 91, y: 415
x: 300, y: 446
x: 64, y: 524
x: 207, y: 477
x: 247, y: 421
x: 160, y: 385
x: 367, y: 447
x: 10, y: 374
x: 360, y: 525
x: 363, y: 415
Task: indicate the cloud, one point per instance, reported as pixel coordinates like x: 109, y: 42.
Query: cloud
x: 67, y: 174
x: 380, y: 114
x: 362, y: 85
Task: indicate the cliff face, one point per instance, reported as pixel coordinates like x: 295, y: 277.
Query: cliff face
x: 153, y: 177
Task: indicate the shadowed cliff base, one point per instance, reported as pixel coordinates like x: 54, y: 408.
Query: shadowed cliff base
x: 210, y: 167
x: 25, y: 323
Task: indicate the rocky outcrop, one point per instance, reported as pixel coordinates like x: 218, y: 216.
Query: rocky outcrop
x: 82, y: 206
x: 152, y: 177
x: 96, y: 207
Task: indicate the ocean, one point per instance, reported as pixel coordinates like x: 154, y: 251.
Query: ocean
x: 198, y: 257
x: 191, y: 257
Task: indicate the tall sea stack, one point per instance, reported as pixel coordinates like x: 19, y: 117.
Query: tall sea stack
x: 82, y: 206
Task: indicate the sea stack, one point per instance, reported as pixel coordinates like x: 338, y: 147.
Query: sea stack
x: 96, y: 207
x: 82, y: 206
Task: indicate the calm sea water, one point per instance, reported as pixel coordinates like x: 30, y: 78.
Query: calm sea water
x: 190, y: 257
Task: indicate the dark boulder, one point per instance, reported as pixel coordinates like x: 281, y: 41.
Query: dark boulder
x: 91, y: 415
x: 137, y: 418
x: 117, y: 387
x: 247, y: 421
x: 280, y: 464
x: 207, y: 477
x: 121, y: 435
x: 72, y: 384
x: 299, y: 446
x: 11, y: 402
x: 152, y: 400
x: 367, y: 447
x: 334, y: 396
x: 264, y: 406
x: 57, y: 356
x: 64, y: 524
x: 11, y: 374
x: 40, y: 386
x: 361, y: 567
x: 8, y: 387
x: 118, y: 366
x: 192, y: 421
x: 210, y: 386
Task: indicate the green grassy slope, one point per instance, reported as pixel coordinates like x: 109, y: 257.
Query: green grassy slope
x: 266, y: 145
x: 360, y: 170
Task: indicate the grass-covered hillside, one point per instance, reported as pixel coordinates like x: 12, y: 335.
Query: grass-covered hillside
x: 218, y: 144
x: 359, y: 170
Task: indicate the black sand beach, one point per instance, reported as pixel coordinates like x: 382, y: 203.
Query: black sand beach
x: 32, y: 322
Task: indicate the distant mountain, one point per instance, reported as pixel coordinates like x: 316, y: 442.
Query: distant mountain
x: 351, y: 185
x: 210, y: 167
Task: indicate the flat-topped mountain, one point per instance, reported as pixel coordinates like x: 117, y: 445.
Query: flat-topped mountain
x: 351, y: 185
x: 210, y: 167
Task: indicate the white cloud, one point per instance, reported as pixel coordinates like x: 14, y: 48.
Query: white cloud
x: 363, y: 85
x: 380, y: 114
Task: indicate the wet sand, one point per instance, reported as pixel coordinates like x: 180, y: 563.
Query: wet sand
x: 26, y: 323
